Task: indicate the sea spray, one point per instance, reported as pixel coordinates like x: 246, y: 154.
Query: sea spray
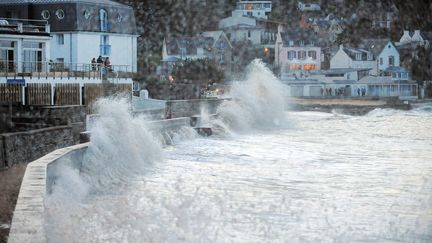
x: 121, y: 145
x: 257, y: 102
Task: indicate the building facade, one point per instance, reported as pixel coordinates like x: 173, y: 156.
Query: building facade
x: 24, y: 45
x: 82, y: 29
x: 388, y: 57
x: 347, y: 57
x: 254, y: 8
x: 297, y: 50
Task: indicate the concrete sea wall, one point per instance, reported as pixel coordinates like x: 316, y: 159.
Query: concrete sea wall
x: 41, y: 174
x: 187, y: 108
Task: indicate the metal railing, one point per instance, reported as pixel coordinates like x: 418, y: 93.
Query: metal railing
x: 24, y: 25
x: 64, y: 70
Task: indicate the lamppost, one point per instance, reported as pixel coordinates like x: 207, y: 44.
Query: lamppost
x: 278, y: 57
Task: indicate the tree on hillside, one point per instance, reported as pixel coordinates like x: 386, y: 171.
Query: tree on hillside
x: 421, y: 66
x: 202, y: 71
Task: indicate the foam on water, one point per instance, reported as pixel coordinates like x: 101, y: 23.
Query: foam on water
x: 333, y: 178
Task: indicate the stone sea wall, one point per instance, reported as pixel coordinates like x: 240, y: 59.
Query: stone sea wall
x: 30, y: 132
x: 22, y: 147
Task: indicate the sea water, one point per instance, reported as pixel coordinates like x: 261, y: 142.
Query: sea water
x: 274, y: 176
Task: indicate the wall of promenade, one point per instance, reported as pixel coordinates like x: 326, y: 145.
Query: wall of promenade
x: 27, y: 133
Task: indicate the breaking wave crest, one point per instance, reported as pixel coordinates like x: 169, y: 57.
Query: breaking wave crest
x: 257, y: 102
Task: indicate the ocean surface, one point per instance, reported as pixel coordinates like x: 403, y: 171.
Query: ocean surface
x: 327, y: 177
x: 281, y: 177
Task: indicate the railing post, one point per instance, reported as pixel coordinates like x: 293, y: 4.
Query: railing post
x: 20, y: 27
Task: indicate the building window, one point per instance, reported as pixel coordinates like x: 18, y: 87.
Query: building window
x: 119, y: 18
x: 60, y: 39
x: 291, y: 43
x: 301, y: 55
x: 381, y: 61
x: 105, y: 47
x: 358, y: 56
x: 291, y: 55
x: 301, y: 43
x: 369, y: 56
x: 312, y: 54
x: 104, y: 24
x: 182, y: 52
x: 249, y: 33
x: 391, y: 60
x: 60, y: 14
x: 249, y: 13
x: 45, y: 14
x: 87, y: 14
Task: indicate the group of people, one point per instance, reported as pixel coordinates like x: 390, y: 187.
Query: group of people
x: 337, y: 92
x: 341, y: 91
x: 101, y: 63
x: 361, y: 91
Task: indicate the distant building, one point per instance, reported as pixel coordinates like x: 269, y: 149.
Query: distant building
x: 416, y: 37
x: 82, y: 29
x: 208, y: 45
x: 297, y: 50
x: 308, y: 7
x: 388, y: 57
x: 347, y: 57
x: 240, y: 28
x: 253, y: 8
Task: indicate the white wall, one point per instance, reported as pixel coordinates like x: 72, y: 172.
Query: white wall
x: 340, y: 60
x: 83, y: 46
x: 62, y: 51
x: 388, y: 50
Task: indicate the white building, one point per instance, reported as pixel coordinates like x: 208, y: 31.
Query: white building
x: 254, y: 8
x: 415, y: 37
x: 240, y: 28
x: 308, y: 6
x: 388, y: 57
x: 297, y: 51
x: 347, y: 57
x: 24, y: 45
x: 83, y: 29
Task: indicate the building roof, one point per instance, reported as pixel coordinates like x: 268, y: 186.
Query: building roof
x: 395, y: 69
x: 300, y: 34
x: 352, y: 53
x: 216, y: 35
x: 383, y: 80
x: 374, y: 45
x: 190, y: 44
x: 16, y: 2
x: 340, y: 70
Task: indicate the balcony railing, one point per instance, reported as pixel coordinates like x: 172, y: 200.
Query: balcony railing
x: 64, y: 70
x: 24, y: 26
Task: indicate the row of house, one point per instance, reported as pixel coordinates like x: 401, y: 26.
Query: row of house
x: 300, y: 54
x: 376, y: 66
x: 248, y: 25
